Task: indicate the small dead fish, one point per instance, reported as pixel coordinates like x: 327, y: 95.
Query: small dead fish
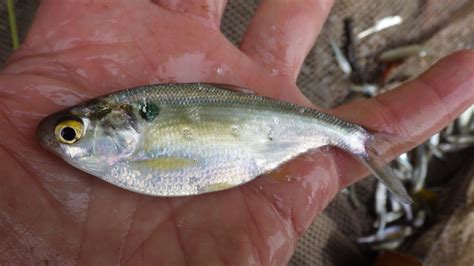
x: 188, y: 139
x: 394, y: 232
x: 341, y: 60
x: 401, y: 53
x: 380, y: 25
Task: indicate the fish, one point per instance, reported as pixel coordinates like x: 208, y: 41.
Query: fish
x: 191, y: 138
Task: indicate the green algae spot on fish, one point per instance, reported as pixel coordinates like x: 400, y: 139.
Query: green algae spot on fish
x: 148, y: 110
x: 188, y: 139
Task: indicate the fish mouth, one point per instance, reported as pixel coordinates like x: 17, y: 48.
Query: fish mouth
x: 45, y: 132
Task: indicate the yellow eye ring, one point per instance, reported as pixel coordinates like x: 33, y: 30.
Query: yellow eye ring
x: 69, y: 131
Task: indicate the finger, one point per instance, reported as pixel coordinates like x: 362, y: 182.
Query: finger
x: 423, y: 106
x: 414, y: 111
x: 61, y: 24
x: 418, y: 109
x: 282, y: 32
x: 211, y: 10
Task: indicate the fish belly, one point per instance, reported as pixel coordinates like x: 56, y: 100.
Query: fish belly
x: 197, y: 150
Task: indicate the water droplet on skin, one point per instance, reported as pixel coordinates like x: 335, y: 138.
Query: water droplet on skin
x: 275, y: 72
x: 273, y: 28
x: 220, y: 71
x: 279, y: 201
x: 81, y: 72
x: 260, y: 187
x: 179, y: 222
x: 325, y: 149
x: 77, y: 202
x: 308, y: 157
x: 299, y: 230
x: 187, y: 134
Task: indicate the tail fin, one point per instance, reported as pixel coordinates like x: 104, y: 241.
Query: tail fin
x: 381, y: 169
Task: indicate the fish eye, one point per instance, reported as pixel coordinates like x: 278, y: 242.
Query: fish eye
x: 69, y: 131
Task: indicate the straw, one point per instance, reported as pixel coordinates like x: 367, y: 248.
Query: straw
x: 12, y: 21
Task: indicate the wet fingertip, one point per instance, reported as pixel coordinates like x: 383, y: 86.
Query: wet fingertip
x: 464, y: 54
x: 459, y: 61
x: 325, y: 5
x: 452, y: 78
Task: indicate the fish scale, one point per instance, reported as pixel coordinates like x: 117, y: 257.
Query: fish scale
x: 188, y: 139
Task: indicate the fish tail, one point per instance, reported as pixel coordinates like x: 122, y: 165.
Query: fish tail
x: 380, y: 169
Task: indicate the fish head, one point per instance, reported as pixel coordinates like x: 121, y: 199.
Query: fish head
x: 92, y: 136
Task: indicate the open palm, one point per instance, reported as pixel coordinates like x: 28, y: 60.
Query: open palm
x: 76, y: 50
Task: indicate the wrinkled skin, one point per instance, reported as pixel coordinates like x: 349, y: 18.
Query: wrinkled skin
x: 76, y: 50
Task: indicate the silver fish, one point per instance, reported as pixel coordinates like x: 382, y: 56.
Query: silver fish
x: 188, y: 139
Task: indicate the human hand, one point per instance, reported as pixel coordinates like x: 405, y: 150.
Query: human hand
x: 77, y: 50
